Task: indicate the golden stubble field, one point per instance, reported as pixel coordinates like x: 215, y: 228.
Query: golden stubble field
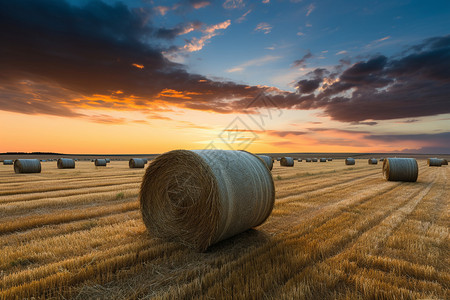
x: 336, y: 231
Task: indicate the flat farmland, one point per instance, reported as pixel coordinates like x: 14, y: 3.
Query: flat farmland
x: 336, y: 232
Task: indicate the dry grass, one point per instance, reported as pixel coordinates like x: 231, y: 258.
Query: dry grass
x: 336, y: 231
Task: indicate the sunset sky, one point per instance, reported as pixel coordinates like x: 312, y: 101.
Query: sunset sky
x: 144, y: 76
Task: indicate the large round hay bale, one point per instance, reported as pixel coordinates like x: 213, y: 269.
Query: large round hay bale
x: 66, y: 163
x: 287, y: 162
x: 99, y: 162
x: 323, y: 160
x: 349, y: 161
x: 8, y: 162
x: 373, y: 161
x: 444, y: 162
x: 135, y: 163
x: 200, y: 197
x: 400, y: 169
x: 145, y: 160
x: 27, y: 166
x: 267, y: 160
x: 434, y: 162
x: 308, y: 160
x: 314, y: 159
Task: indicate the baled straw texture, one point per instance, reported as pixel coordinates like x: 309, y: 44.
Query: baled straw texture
x: 100, y: 162
x: 349, y: 161
x: 444, y: 162
x: 135, y: 163
x: 323, y: 160
x: 267, y: 160
x: 400, y: 169
x: 7, y: 162
x: 27, y: 166
x: 308, y: 160
x: 314, y: 160
x: 373, y: 161
x: 287, y: 162
x: 66, y: 163
x: 435, y: 162
x: 200, y: 197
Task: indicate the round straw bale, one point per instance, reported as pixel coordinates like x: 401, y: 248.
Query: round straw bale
x: 7, y: 162
x: 287, y: 162
x: 435, y: 162
x: 27, y: 166
x: 382, y: 159
x: 145, y: 160
x: 267, y: 160
x: 108, y: 160
x: 201, y: 197
x: 314, y: 160
x: 308, y: 160
x: 373, y: 161
x: 299, y: 160
x: 278, y: 158
x: 323, y: 160
x: 136, y: 163
x: 349, y: 161
x: 66, y: 163
x: 330, y: 159
x: 400, y: 169
x: 100, y: 162
x: 444, y: 162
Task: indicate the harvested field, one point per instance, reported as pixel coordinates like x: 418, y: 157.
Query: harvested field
x: 336, y: 231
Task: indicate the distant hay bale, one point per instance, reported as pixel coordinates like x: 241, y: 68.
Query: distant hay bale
x: 27, y: 166
x: 92, y: 160
x: 349, y: 161
x: 100, y: 162
x: 314, y: 159
x: 267, y: 160
x: 108, y: 160
x: 382, y: 159
x: 136, y: 163
x: 435, y: 162
x: 278, y: 158
x: 8, y: 162
x: 373, y: 161
x: 200, y: 197
x: 400, y: 169
x: 308, y: 160
x: 299, y: 160
x: 66, y: 163
x: 323, y: 160
x: 287, y: 162
x: 330, y: 159
x: 444, y: 162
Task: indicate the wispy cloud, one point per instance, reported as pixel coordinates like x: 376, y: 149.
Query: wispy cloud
x: 181, y: 6
x: 196, y: 44
x: 341, y: 52
x: 233, y: 4
x: 264, y: 27
x: 311, y: 8
x: 242, y: 18
x: 266, y: 1
x: 302, y: 62
x: 377, y: 42
x: 254, y: 62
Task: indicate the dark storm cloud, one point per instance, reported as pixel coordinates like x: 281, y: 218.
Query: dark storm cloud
x: 66, y: 54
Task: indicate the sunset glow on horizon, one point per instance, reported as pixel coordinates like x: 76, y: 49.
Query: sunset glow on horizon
x: 142, y: 77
